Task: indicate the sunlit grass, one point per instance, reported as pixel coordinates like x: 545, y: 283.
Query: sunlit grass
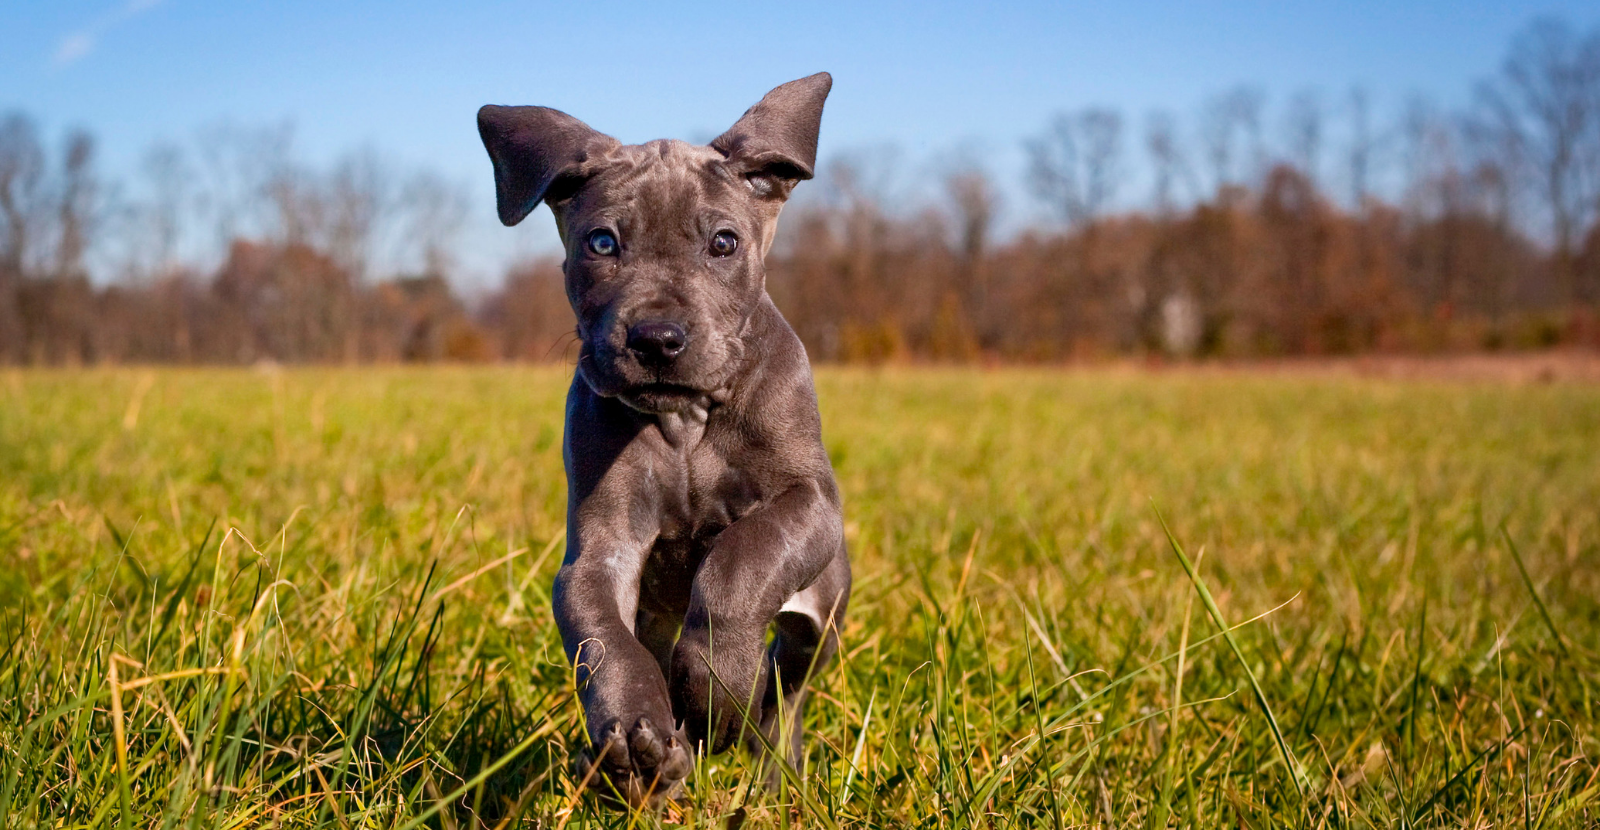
x: 320, y: 598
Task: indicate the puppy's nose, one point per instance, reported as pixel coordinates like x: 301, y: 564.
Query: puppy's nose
x: 657, y: 340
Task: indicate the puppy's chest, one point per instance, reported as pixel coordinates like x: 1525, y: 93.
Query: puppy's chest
x: 699, y: 495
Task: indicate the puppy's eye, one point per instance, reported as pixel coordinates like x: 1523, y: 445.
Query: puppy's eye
x: 602, y: 242
x: 724, y: 243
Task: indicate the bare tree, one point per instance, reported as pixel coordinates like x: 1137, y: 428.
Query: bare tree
x: 973, y: 195
x: 1303, y: 133
x: 976, y: 201
x: 1164, y: 308
x: 1427, y: 156
x: 239, y: 165
x: 169, y: 177
x: 1546, y: 101
x: 1431, y: 198
x: 77, y: 208
x: 299, y: 205
x: 1230, y: 131
x: 359, y: 200
x: 1359, y: 152
x: 1076, y: 165
x: 23, y: 203
x: 1166, y: 160
x: 436, y: 210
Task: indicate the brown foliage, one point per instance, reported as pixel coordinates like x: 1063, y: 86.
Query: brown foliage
x: 1281, y: 271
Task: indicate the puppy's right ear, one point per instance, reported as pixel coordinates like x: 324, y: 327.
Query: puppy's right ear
x: 775, y: 141
x: 539, y: 154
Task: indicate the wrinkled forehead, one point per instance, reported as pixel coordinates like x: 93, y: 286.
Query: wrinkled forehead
x: 660, y: 180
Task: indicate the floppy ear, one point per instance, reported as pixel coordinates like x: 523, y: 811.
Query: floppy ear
x: 775, y: 143
x: 539, y: 154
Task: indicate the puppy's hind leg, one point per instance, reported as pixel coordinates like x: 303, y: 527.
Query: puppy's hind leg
x: 783, y: 707
x: 806, y: 639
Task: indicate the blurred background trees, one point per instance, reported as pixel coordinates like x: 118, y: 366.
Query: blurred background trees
x: 1318, y: 225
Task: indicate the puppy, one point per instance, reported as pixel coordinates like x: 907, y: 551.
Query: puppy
x: 702, y: 510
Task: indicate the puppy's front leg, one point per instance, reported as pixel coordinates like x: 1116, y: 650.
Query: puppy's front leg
x: 637, y: 755
x: 756, y: 564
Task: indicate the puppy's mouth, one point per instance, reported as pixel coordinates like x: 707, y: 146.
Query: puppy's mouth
x: 651, y: 396
x: 658, y: 398
x: 665, y: 390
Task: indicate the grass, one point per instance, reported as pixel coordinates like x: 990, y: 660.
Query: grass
x: 320, y: 598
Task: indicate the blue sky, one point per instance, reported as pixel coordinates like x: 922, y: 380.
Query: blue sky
x: 924, y: 77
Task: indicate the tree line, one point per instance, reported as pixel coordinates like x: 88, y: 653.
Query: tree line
x: 1316, y: 226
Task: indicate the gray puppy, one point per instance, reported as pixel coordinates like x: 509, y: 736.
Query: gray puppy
x: 702, y: 511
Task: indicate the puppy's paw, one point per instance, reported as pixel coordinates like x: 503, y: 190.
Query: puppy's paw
x: 637, y: 770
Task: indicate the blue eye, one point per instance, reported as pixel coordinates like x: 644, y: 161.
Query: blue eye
x: 724, y: 243
x: 603, y: 243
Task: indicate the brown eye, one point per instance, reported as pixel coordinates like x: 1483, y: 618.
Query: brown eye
x: 724, y: 243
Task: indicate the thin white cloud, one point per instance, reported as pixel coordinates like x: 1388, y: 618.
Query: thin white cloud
x: 73, y: 47
x: 76, y: 46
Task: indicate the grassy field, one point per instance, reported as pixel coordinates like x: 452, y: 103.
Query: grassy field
x: 320, y: 598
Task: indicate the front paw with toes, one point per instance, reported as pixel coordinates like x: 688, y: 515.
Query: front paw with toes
x: 639, y: 769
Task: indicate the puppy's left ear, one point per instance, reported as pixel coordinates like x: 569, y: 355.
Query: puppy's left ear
x: 775, y: 143
x: 539, y: 154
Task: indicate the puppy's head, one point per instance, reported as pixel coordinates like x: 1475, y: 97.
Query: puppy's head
x: 664, y: 241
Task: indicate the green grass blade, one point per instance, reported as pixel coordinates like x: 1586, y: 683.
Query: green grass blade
x: 1296, y: 775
